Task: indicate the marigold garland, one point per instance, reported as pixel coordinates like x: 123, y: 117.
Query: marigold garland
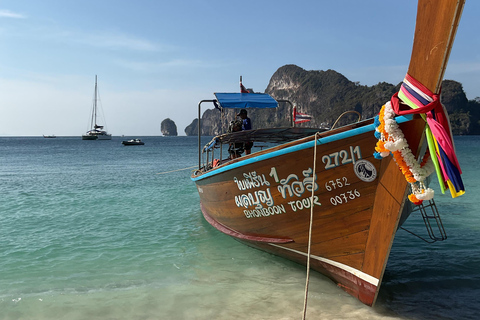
x: 391, y: 140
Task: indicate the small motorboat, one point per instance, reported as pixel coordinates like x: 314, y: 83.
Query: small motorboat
x: 133, y: 142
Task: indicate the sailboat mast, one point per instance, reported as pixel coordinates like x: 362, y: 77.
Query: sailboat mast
x: 95, y: 102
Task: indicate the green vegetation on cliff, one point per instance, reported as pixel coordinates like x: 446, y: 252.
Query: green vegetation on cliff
x: 325, y: 95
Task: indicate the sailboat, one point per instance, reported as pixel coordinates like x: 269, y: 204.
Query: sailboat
x: 333, y: 199
x: 96, y: 131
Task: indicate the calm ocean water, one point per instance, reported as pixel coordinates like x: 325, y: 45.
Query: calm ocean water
x: 91, y: 230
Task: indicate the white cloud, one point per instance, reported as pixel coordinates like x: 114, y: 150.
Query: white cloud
x: 9, y: 14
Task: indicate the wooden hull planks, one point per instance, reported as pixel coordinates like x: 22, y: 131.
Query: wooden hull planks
x: 265, y: 200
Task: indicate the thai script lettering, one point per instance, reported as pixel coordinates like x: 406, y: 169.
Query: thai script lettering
x: 251, y: 180
x: 257, y: 199
x: 292, y: 185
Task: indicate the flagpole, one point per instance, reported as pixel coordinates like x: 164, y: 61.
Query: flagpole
x: 242, y: 88
x: 293, y: 115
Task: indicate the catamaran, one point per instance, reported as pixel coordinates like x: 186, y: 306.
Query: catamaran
x: 96, y: 131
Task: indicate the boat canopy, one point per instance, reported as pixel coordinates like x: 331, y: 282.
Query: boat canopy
x: 246, y: 100
x: 266, y: 135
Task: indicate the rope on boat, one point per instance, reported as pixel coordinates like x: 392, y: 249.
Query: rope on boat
x: 347, y: 112
x: 310, y: 228
x: 177, y: 170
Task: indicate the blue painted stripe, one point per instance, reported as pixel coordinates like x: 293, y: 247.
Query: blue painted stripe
x: 306, y: 145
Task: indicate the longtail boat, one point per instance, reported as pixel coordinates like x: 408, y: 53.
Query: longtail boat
x: 333, y: 199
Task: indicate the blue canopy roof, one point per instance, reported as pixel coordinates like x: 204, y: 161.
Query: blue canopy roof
x: 245, y: 100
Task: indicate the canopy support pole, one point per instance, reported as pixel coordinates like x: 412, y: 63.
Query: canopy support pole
x: 200, y: 133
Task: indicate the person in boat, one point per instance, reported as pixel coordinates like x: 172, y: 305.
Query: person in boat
x: 235, y: 149
x: 246, y: 125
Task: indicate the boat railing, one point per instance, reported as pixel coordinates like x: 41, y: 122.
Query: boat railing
x: 200, y: 127
x: 266, y: 136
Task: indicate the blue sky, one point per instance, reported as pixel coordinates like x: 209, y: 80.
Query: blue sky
x: 157, y: 59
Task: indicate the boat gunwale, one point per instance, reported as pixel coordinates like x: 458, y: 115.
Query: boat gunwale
x: 240, y: 162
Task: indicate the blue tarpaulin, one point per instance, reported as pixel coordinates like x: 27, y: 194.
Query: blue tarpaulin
x: 245, y: 100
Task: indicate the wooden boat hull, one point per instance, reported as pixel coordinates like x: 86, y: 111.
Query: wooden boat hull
x: 265, y: 200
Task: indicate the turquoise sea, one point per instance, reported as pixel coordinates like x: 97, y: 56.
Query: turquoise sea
x: 96, y: 230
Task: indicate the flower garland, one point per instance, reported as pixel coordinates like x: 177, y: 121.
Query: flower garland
x: 392, y: 140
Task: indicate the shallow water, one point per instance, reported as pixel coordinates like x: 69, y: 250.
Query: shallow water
x: 91, y: 230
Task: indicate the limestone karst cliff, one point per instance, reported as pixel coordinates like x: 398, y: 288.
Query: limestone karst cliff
x: 168, y: 127
x: 325, y: 95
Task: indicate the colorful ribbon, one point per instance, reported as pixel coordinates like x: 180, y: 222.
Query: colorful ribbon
x: 439, y: 136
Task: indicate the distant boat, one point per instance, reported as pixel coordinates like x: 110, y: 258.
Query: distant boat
x: 96, y: 131
x: 133, y: 142
x: 49, y: 136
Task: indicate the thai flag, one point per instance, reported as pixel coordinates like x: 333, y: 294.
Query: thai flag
x: 242, y: 88
x: 300, y: 117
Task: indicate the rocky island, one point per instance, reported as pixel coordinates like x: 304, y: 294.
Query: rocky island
x: 327, y: 94
x: 168, y: 128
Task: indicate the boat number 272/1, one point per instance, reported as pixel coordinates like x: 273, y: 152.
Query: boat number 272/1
x: 342, y: 157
